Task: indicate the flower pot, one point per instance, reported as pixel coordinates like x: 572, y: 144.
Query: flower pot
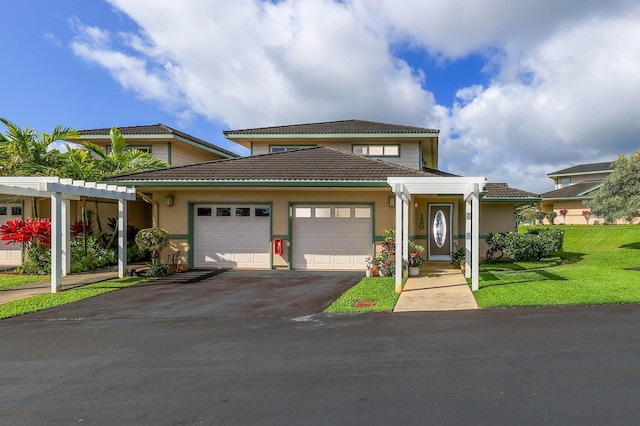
x: 369, y: 273
x: 414, y: 271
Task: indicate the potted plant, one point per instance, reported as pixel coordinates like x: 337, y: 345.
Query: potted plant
x: 415, y: 259
x: 458, y: 256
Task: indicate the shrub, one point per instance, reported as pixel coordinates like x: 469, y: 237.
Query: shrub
x: 551, y: 217
x: 458, y: 255
x: 158, y: 270
x: 154, y: 240
x: 535, y: 244
x: 497, y: 242
x: 88, y: 253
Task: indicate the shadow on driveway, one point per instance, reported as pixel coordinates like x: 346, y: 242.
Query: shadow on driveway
x: 232, y: 293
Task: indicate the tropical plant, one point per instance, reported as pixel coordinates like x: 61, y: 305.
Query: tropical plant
x: 34, y: 235
x: 24, y: 152
x: 415, y: 254
x: 458, y: 255
x: 587, y: 215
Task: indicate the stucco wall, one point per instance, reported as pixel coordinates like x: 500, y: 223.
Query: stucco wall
x: 574, y: 216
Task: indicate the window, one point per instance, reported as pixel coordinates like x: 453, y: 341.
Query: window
x: 283, y: 148
x: 323, y: 212
x: 303, y: 212
x: 143, y: 148
x: 223, y: 211
x: 243, y: 211
x: 363, y: 212
x: 204, y: 211
x: 3, y: 211
x: 16, y: 211
x: 565, y: 181
x: 377, y: 150
x: 262, y: 212
x: 343, y: 212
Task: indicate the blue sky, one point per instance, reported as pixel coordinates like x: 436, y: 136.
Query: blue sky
x: 518, y: 89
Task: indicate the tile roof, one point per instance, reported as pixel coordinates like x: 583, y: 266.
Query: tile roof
x: 155, y: 129
x: 504, y: 191
x: 308, y: 164
x: 332, y: 127
x: 578, y: 190
x: 585, y: 168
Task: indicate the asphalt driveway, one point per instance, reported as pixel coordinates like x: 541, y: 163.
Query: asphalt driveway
x: 232, y: 293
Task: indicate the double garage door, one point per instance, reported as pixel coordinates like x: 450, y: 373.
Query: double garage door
x: 324, y: 237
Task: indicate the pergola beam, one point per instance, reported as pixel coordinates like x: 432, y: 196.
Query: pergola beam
x: 61, y: 191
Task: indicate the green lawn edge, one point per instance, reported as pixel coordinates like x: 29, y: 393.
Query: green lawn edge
x: 380, y: 290
x: 41, y: 302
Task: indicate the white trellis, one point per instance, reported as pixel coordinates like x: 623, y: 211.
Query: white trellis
x: 62, y: 191
x: 468, y: 187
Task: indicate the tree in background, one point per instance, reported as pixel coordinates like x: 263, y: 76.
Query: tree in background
x: 619, y: 195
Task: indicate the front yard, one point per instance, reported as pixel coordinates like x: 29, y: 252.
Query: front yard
x: 596, y: 267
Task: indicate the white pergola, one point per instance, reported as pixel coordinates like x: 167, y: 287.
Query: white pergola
x: 469, y: 187
x: 62, y: 191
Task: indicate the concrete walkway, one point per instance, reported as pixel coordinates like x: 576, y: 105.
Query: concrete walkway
x: 43, y: 287
x: 440, y: 287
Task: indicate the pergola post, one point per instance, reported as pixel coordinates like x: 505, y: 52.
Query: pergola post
x: 467, y: 238
x: 56, y: 241
x: 399, y: 229
x: 122, y: 237
x: 65, y: 216
x: 475, y: 241
x: 405, y: 233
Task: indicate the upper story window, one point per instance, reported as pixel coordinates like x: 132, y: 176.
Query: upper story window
x: 284, y: 148
x: 562, y: 182
x: 377, y: 150
x: 143, y: 148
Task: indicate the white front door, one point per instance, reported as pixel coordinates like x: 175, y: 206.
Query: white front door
x: 331, y: 237
x: 232, y: 236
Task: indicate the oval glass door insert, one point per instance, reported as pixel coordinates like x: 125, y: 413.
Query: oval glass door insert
x: 439, y: 229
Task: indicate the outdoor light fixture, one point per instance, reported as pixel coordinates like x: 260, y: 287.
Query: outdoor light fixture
x: 168, y: 200
x: 392, y: 201
x: 415, y: 204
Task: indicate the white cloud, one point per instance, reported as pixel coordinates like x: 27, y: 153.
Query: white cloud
x: 563, y: 82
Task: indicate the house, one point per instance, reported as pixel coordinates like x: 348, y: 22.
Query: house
x: 173, y: 146
x: 573, y: 186
x: 318, y: 196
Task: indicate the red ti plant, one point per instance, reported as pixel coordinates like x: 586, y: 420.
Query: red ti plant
x: 587, y: 215
x: 78, y: 227
x: 28, y: 233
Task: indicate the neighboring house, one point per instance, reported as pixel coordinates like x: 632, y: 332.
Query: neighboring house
x: 573, y: 186
x: 314, y: 196
x: 173, y: 146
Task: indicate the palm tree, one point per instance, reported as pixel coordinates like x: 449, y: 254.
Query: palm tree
x: 25, y: 153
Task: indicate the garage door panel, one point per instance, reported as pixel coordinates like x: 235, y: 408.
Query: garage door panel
x: 232, y: 241
x: 340, y: 242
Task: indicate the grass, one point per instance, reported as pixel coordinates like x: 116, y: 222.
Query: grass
x: 380, y: 290
x: 594, y: 268
x: 16, y: 280
x: 50, y: 300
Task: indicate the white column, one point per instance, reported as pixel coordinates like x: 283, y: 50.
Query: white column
x: 399, y: 228
x: 65, y: 216
x: 405, y: 233
x: 56, y: 241
x: 122, y: 237
x: 467, y: 238
x: 475, y: 230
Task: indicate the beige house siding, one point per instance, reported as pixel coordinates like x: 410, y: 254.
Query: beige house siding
x: 574, y: 216
x: 581, y: 178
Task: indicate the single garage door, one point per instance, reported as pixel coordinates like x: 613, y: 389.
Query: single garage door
x: 232, y: 236
x: 11, y: 254
x: 331, y: 237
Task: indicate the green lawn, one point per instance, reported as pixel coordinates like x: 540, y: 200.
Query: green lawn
x: 380, y: 290
x: 594, y: 268
x: 9, y: 280
x: 50, y: 300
